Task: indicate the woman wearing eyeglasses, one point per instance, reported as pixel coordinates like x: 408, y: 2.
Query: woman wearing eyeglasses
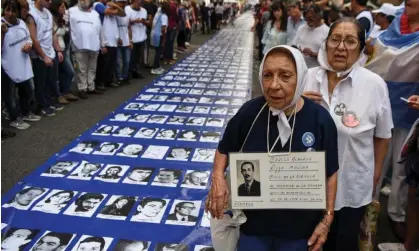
x: 358, y: 102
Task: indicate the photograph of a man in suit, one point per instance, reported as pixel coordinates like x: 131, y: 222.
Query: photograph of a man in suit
x: 250, y: 187
x: 183, y: 211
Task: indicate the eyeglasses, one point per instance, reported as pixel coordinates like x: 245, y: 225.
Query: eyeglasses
x: 349, y: 42
x: 189, y: 208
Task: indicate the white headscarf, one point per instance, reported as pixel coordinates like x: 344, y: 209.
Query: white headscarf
x: 284, y: 127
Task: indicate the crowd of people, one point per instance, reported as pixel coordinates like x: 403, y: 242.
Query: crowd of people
x: 55, y: 52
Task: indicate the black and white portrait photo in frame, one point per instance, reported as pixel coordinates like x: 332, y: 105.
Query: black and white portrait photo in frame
x: 131, y: 150
x: 157, y: 119
x: 160, y: 83
x: 196, y: 179
x: 205, y: 100
x: 171, y: 247
x: 176, y: 120
x: 167, y: 108
x: 145, y: 97
x: 85, y: 171
x: 17, y: 239
x: 92, y: 243
x: 186, y: 85
x: 139, y: 176
x: 85, y: 205
x: 225, y: 93
x: 55, y: 201
x: 215, y: 122
x: 184, y: 213
x: 211, y: 137
x: 159, y: 98
x: 201, y: 109
x: 85, y: 147
x: 105, y: 130
x: 203, y: 155
x: 60, y: 169
x: 167, y: 134
x: 146, y: 133
x: 181, y: 91
x: 112, y: 173
x: 117, y: 207
x: 25, y: 198
x: 196, y: 121
x: 175, y: 99
x: 108, y: 148
x: 131, y: 245
x: 167, y: 177
x: 200, y: 85
x: 232, y: 111
x: 184, y: 109
x: 150, y: 210
x: 222, y: 101
x: 53, y: 241
x: 196, y: 91
x: 237, y: 102
x: 190, y: 100
x: 248, y: 178
x: 203, y: 248
x: 150, y: 107
x: 210, y: 93
x: 120, y: 117
x: 152, y: 90
x: 125, y: 131
x: 173, y: 84
x: 179, y: 154
x: 188, y: 135
x: 133, y: 106
x: 155, y: 152
x: 219, y: 110
x: 167, y: 90
x: 139, y: 118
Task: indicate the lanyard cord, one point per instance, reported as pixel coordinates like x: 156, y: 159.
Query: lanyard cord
x: 254, y: 121
x: 277, y: 139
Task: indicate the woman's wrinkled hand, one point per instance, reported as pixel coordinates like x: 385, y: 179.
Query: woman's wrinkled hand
x: 414, y: 102
x: 218, y: 196
x: 319, y: 236
x: 314, y: 96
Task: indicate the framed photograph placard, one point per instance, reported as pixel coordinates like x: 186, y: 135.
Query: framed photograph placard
x: 286, y: 181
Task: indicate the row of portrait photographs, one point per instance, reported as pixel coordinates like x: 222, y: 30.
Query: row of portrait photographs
x: 202, y: 79
x: 187, y: 99
x: 162, y: 134
x: 135, y: 150
x: 179, y: 109
x: 113, y: 173
x: 17, y: 239
x: 213, y: 76
x: 208, y: 92
x: 170, y: 120
x: 228, y: 84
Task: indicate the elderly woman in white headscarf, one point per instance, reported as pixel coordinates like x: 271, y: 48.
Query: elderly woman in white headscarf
x: 279, y: 121
x: 358, y: 101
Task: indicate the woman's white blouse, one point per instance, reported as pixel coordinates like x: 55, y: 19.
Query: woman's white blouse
x: 273, y: 37
x: 366, y: 94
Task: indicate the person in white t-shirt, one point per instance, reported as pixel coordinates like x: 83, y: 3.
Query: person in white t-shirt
x: 158, y: 35
x: 125, y: 46
x: 138, y: 18
x: 16, y: 70
x: 383, y: 18
x: 219, y: 11
x: 311, y: 35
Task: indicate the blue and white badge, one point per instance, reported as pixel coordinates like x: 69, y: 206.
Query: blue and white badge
x: 308, y: 139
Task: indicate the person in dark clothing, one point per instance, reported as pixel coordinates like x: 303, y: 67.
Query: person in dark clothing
x: 362, y: 14
x: 151, y: 9
x: 120, y: 207
x: 205, y: 18
x: 250, y: 187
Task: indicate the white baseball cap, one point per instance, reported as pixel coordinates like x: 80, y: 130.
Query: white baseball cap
x: 387, y: 9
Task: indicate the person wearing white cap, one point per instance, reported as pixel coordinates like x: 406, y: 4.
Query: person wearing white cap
x: 383, y: 18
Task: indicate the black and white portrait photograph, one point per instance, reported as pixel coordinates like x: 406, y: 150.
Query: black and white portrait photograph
x: 192, y: 79
x: 232, y: 111
x: 184, y: 109
x: 167, y: 90
x: 184, y: 73
x: 196, y: 179
x: 242, y: 81
x: 173, y: 84
x: 55, y: 201
x: 240, y: 87
x: 190, y: 100
x: 186, y: 85
x: 160, y: 83
x: 108, y: 148
x: 105, y: 130
x: 53, y: 241
x: 222, y: 101
x: 201, y: 109
x: 227, y: 86
x: 133, y: 106
x: 180, y: 78
x: 210, y: 137
x: 176, y: 120
x: 167, y: 108
x: 159, y: 98
x: 145, y: 97
x: 219, y: 75
x: 117, y: 207
x: 203, y: 248
x: 167, y: 134
x: 155, y: 152
x: 173, y: 73
x: 181, y: 91
x: 174, y: 99
x: 112, y: 173
x: 167, y: 177
x: 120, y: 117
x: 184, y: 213
x: 179, y: 154
x: 230, y: 75
x: 188, y: 135
x: 203, y: 155
x: 146, y: 133
x: 207, y: 74
x: 17, y: 239
x: 238, y: 102
x: 248, y: 176
x: 240, y: 94
x: 217, y: 80
x: 150, y: 210
x: 26, y: 197
x: 85, y: 205
x: 196, y: 74
x: 228, y: 80
x: 85, y: 171
x: 226, y: 93
x: 131, y: 245
x: 139, y: 176
x: 196, y: 121
x: 204, y: 79
x: 205, y: 100
x: 131, y: 150
x: 125, y: 131
x: 85, y: 147
x: 152, y: 90
x: 196, y: 91
x: 157, y: 119
x: 60, y: 168
x: 219, y: 110
x: 92, y: 243
x: 139, y: 118
x: 171, y: 247
x: 150, y: 107
x: 200, y: 85
x: 210, y: 93
x: 215, y: 122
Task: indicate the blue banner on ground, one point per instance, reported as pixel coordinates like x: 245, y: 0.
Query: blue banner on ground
x: 139, y: 178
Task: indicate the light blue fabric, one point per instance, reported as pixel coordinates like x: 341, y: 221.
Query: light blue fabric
x: 156, y: 31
